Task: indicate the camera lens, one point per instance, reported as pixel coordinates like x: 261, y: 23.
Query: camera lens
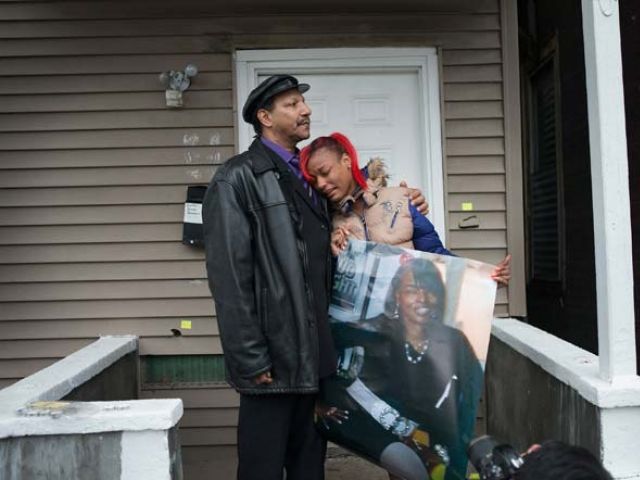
x: 480, y: 449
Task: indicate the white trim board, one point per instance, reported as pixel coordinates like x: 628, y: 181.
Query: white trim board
x: 249, y: 64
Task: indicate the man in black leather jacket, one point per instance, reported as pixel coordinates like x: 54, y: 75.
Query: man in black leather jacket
x: 268, y: 262
x: 267, y: 240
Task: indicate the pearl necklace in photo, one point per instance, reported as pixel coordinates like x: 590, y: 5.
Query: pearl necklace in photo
x: 420, y: 351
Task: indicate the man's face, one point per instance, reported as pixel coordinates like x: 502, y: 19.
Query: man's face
x: 289, y: 120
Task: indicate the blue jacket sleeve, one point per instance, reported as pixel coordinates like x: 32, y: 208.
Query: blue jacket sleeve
x: 425, y: 237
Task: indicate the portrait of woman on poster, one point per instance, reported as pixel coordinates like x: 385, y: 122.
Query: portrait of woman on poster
x: 407, y: 386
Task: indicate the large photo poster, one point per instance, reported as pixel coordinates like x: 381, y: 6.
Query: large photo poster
x: 412, y: 332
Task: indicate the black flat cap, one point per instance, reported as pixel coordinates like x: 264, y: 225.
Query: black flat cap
x: 267, y: 89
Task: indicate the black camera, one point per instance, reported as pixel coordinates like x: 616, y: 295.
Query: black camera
x: 494, y: 461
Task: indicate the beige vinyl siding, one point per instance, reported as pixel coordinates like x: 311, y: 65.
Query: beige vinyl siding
x: 474, y: 148
x: 93, y: 178
x: 144, y: 327
x: 94, y: 167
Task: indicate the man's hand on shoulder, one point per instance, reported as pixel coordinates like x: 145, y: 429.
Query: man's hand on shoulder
x: 416, y: 198
x: 263, y: 378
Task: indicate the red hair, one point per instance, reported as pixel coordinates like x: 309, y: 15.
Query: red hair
x: 338, y: 143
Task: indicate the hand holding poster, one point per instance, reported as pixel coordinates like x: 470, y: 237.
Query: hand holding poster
x: 412, y: 330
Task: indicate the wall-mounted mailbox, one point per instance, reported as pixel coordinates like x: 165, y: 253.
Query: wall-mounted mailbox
x: 192, y: 226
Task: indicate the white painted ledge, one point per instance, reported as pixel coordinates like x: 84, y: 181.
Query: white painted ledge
x: 95, y: 417
x: 57, y: 380
x: 568, y: 363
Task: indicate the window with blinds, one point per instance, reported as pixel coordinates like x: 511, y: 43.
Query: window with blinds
x: 545, y: 235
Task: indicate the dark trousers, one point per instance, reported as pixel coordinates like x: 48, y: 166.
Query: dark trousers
x: 276, y: 433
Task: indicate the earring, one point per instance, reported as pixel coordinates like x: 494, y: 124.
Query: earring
x: 396, y: 314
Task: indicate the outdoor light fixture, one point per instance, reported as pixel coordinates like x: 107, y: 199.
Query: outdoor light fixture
x: 177, y: 82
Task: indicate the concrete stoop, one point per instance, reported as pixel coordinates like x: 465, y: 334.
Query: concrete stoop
x: 344, y: 465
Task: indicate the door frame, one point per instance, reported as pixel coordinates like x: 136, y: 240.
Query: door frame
x: 249, y: 64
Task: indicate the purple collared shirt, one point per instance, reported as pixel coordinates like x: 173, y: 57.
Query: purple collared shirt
x: 292, y: 159
x: 285, y: 154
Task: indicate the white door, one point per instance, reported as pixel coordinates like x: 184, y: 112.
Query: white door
x: 383, y: 105
x: 377, y: 111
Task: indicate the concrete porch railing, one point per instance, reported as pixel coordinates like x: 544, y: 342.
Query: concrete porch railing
x: 540, y: 387
x: 47, y: 431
